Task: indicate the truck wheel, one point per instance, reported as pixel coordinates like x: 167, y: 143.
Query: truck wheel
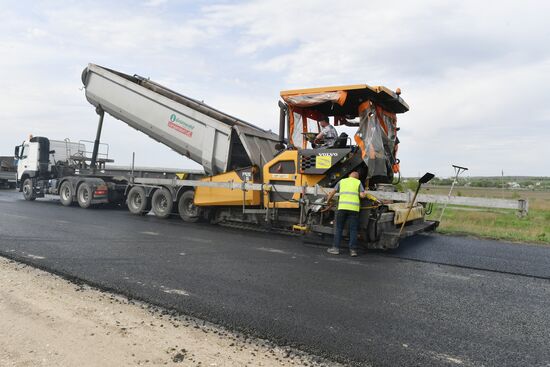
x: 186, y: 207
x: 84, y: 195
x: 162, y: 203
x: 28, y: 190
x: 66, y: 193
x: 137, y: 201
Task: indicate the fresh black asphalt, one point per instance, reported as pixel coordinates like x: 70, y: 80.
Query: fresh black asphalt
x: 437, y: 300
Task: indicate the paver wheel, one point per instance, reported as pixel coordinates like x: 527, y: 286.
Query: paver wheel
x: 162, y: 203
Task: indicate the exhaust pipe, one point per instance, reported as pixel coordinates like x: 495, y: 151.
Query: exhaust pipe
x: 282, y: 124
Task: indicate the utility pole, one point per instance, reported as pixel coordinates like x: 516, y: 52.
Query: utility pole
x: 502, y: 183
x: 458, y: 171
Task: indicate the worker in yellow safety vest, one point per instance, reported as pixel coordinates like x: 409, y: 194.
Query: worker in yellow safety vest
x: 351, y: 191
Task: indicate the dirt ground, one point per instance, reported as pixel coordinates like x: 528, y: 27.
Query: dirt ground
x: 48, y: 321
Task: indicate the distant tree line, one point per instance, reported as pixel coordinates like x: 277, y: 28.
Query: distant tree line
x: 514, y: 182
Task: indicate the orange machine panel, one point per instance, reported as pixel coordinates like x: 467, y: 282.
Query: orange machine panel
x: 282, y: 170
x: 213, y: 196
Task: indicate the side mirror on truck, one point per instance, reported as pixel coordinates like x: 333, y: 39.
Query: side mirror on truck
x: 16, y: 153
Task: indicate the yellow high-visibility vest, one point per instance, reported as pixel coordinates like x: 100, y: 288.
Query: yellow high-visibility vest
x: 349, y: 194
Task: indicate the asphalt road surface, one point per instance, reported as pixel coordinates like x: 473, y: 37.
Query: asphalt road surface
x: 438, y: 300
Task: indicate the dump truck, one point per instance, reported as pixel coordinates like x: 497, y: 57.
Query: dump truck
x: 62, y: 168
x: 253, y: 178
x: 7, y: 172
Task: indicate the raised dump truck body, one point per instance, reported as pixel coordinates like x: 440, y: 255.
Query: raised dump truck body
x: 217, y: 141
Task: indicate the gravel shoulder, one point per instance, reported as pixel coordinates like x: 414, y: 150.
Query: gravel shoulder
x: 49, y: 321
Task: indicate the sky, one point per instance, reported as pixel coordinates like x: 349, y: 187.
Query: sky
x: 474, y: 73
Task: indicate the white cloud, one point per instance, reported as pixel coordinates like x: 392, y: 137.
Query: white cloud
x: 155, y: 3
x: 474, y: 73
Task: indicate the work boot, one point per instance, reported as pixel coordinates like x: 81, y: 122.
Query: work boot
x: 333, y: 250
x: 353, y: 253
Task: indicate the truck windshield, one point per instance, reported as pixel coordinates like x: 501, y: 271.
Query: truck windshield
x: 24, y: 150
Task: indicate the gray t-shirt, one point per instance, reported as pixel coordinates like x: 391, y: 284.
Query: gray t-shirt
x: 329, y: 135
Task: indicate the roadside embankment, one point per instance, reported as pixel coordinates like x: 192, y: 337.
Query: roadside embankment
x: 49, y: 321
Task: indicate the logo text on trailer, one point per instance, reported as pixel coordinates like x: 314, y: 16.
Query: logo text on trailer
x: 180, y: 125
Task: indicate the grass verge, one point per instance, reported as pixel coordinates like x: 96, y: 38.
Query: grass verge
x: 497, y: 223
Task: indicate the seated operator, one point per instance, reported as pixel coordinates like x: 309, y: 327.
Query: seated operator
x: 328, y: 135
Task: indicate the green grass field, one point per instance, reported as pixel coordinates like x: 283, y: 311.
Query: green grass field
x: 496, y: 223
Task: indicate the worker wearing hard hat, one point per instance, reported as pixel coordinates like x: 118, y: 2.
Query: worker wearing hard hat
x: 351, y: 191
x: 328, y: 134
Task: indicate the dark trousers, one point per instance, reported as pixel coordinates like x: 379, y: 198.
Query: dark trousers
x: 353, y: 220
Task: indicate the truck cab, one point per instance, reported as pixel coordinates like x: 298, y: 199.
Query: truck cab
x: 59, y: 168
x: 27, y: 156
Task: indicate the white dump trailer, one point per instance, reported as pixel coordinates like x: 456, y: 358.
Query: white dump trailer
x: 217, y: 141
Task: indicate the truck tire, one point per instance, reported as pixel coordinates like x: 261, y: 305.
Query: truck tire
x: 66, y: 193
x: 84, y: 195
x: 137, y: 201
x: 162, y: 203
x: 186, y: 207
x: 28, y: 190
